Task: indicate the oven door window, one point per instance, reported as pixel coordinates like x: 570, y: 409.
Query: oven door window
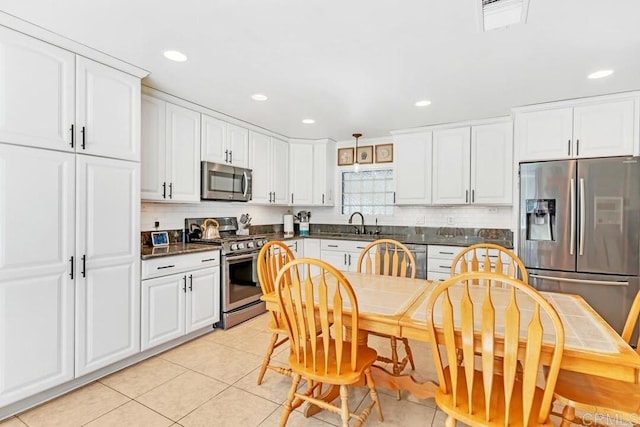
x: 242, y: 281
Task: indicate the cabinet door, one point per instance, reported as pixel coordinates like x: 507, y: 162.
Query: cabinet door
x: 260, y: 163
x: 301, y: 174
x: 213, y: 141
x: 312, y: 250
x: 492, y: 164
x: 37, y: 105
x: 451, y: 167
x: 36, y: 287
x: 338, y: 259
x: 238, y: 143
x: 280, y: 171
x: 163, y: 309
x: 183, y: 154
x: 108, y: 111
x: 545, y: 135
x: 154, y: 149
x: 605, y: 129
x: 412, y: 171
x: 203, y: 298
x: 323, y: 174
x: 108, y: 249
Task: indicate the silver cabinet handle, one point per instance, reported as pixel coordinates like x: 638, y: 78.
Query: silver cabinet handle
x: 171, y: 190
x: 345, y: 259
x: 226, y: 156
x: 473, y: 196
x: 73, y: 138
x: 190, y: 282
x: 349, y: 259
x: 164, y: 190
x: 569, y: 148
x: 572, y: 225
x: 84, y: 266
x: 83, y: 137
x: 208, y: 260
x: 577, y: 147
x: 184, y: 288
x: 580, y: 281
x: 71, y: 261
x: 165, y: 266
x: 323, y: 198
x: 582, y: 216
x: 466, y: 196
x: 230, y: 156
x: 333, y: 246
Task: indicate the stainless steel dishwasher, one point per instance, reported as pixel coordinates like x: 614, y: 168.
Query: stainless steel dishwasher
x: 420, y: 254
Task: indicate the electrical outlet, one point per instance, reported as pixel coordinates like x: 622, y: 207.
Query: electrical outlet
x: 156, y: 224
x: 493, y: 210
x: 420, y: 219
x: 449, y: 220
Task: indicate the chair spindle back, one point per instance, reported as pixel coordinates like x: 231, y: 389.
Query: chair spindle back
x: 391, y: 258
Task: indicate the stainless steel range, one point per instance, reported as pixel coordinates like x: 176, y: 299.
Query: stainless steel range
x: 239, y: 258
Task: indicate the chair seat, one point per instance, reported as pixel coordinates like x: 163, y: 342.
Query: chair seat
x: 597, y: 394
x: 445, y: 402
x: 366, y: 357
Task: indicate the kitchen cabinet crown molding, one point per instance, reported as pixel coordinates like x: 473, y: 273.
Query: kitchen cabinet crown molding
x: 423, y: 129
x: 47, y: 36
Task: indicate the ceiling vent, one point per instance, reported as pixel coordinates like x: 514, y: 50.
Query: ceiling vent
x: 494, y: 14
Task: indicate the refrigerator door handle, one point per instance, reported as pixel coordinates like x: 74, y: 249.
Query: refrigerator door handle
x: 580, y: 281
x: 572, y: 226
x: 582, y: 217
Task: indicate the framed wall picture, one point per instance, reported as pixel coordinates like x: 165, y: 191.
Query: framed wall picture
x: 365, y: 154
x: 384, y: 153
x: 159, y: 238
x: 345, y: 156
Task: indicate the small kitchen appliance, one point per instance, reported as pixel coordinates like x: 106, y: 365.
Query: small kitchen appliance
x: 303, y: 217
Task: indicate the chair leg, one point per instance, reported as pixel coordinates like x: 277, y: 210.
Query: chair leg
x: 344, y: 408
x: 450, y: 422
x: 407, y: 349
x: 286, y: 411
x: 374, y: 393
x: 267, y: 357
x: 568, y: 415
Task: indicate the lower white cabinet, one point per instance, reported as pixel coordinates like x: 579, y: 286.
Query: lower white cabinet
x: 440, y: 259
x: 342, y: 254
x: 185, y: 298
x: 296, y: 246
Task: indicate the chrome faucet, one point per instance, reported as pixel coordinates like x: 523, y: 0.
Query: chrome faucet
x: 361, y: 229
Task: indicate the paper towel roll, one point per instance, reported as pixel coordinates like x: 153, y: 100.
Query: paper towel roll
x: 288, y: 225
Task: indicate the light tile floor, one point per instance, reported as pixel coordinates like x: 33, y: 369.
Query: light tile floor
x: 211, y: 381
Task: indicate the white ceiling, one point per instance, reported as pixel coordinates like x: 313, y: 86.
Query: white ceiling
x: 356, y: 65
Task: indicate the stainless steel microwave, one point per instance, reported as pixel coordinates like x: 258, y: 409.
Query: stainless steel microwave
x: 224, y: 182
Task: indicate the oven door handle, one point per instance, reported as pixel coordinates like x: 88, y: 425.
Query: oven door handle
x: 241, y: 257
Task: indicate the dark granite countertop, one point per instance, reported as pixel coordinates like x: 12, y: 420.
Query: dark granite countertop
x: 148, y: 252
x: 403, y: 238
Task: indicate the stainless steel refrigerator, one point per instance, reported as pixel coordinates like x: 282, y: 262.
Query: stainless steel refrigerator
x: 579, y: 225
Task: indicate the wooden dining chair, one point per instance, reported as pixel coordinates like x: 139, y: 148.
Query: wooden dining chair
x: 272, y: 257
x: 390, y: 258
x: 504, y: 317
x: 324, y: 356
x: 476, y: 258
x: 601, y: 399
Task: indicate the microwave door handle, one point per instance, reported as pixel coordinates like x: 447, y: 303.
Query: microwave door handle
x: 245, y: 184
x: 572, y: 226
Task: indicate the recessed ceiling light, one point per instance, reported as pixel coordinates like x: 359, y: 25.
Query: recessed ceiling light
x: 600, y: 74
x: 259, y: 97
x: 308, y: 121
x: 174, y: 55
x: 423, y: 103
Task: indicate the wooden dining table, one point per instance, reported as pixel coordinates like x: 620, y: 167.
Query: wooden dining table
x: 397, y: 306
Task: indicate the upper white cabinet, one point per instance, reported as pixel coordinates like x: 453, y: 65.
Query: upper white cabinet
x: 311, y: 172
x: 223, y: 142
x: 586, y: 129
x: 473, y: 164
x: 55, y: 99
x: 171, y: 152
x: 269, y: 160
x: 412, y: 173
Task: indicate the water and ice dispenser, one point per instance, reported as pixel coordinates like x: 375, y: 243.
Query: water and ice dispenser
x: 541, y: 219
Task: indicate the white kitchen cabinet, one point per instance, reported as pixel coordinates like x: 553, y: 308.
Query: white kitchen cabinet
x: 70, y: 272
x: 312, y: 250
x: 412, y: 174
x: 108, y: 262
x: 296, y: 246
x: 301, y: 173
x: 224, y: 142
x: 171, y: 152
x: 55, y: 99
x: 439, y: 261
x: 37, y: 243
x: 473, y: 165
x: 342, y: 254
x: 311, y: 172
x: 179, y: 296
x: 587, y: 129
x: 269, y: 161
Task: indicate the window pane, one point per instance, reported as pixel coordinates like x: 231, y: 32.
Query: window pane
x: 369, y: 192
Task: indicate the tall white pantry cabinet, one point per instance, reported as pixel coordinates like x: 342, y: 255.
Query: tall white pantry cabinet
x: 69, y: 216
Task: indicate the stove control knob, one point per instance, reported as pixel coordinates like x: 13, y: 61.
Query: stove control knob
x: 234, y: 246
x: 250, y: 244
x: 260, y: 243
x: 241, y: 245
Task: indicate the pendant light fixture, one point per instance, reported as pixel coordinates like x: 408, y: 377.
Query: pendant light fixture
x: 356, y: 165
